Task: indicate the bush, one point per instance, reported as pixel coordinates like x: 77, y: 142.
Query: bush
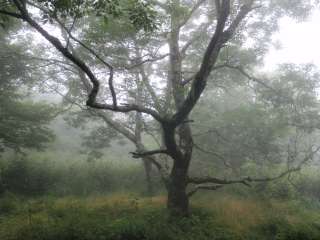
x: 27, y: 177
x: 8, y: 204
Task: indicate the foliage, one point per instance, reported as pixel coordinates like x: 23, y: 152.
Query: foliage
x: 139, y: 13
x: 23, y: 123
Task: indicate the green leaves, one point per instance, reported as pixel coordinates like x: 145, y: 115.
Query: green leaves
x: 5, y: 20
x: 23, y: 124
x: 139, y: 13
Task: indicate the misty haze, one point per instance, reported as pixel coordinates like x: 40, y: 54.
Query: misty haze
x: 159, y: 120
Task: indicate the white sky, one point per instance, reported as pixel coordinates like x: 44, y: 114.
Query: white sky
x: 299, y: 42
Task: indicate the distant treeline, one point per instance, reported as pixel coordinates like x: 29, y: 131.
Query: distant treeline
x: 37, y: 176
x: 32, y: 176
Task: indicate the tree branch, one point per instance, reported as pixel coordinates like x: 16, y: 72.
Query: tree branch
x: 194, y: 38
x: 219, y: 38
x: 148, y: 153
x: 203, y: 180
x: 203, y: 187
x: 84, y: 67
x: 247, y: 75
x: 217, y: 155
x: 247, y: 180
x: 152, y: 59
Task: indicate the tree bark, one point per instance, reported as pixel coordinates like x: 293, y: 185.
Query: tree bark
x: 147, y: 169
x: 138, y: 139
x: 178, y: 139
x: 178, y: 201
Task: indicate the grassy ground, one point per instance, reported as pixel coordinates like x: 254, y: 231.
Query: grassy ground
x: 128, y: 217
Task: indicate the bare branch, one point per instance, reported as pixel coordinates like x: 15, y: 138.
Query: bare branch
x: 70, y: 30
x: 148, y: 153
x: 217, y: 155
x: 152, y: 59
x: 202, y: 180
x: 203, y: 187
x: 247, y: 180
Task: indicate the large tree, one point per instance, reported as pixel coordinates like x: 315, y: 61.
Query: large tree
x: 212, y: 48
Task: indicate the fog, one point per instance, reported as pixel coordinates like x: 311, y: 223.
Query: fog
x: 180, y: 119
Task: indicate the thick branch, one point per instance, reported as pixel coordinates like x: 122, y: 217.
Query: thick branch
x: 108, y: 65
x: 148, y: 153
x: 70, y: 35
x: 210, y: 57
x: 203, y: 180
x: 208, y: 61
x: 244, y: 10
x: 77, y: 61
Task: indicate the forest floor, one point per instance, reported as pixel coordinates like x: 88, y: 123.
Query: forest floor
x: 125, y: 216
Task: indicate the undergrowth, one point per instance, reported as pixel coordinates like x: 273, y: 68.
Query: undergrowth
x: 128, y: 217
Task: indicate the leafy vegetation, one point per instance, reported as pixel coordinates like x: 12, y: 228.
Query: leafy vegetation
x: 126, y: 216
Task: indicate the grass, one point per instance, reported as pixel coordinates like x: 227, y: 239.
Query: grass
x: 126, y: 216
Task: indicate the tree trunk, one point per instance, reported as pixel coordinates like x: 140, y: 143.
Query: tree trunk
x: 181, y: 151
x: 147, y: 169
x: 178, y: 201
x: 138, y: 139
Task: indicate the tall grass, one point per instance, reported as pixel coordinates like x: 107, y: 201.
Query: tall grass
x: 127, y: 216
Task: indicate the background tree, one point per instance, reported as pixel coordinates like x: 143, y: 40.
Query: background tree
x: 23, y: 123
